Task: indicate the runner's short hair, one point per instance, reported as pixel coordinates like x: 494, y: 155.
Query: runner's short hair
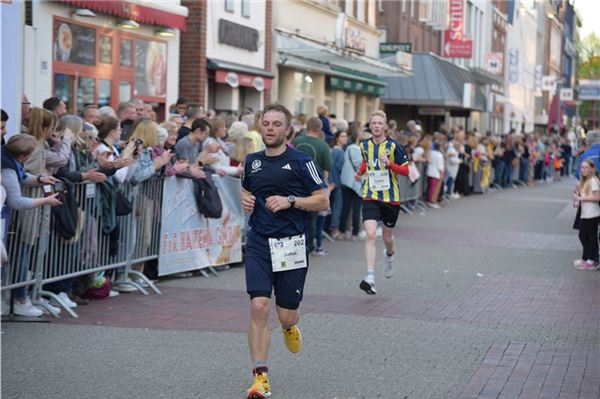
x: 378, y: 113
x: 276, y: 107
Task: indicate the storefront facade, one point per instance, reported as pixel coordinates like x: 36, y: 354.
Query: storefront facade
x: 95, y: 59
x: 325, y: 57
x: 235, y: 51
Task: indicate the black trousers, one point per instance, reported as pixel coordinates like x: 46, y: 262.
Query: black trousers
x: 588, y: 235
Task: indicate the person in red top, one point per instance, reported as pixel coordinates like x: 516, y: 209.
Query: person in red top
x: 383, y: 161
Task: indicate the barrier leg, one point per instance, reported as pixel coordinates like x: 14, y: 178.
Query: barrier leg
x: 57, y: 300
x: 405, y: 209
x: 203, y: 272
x: 146, y: 280
x: 213, y: 271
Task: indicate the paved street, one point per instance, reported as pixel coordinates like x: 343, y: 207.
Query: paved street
x: 485, y: 303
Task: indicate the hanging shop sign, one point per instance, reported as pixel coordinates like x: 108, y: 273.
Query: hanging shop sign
x: 456, y: 44
x: 549, y: 83
x: 391, y: 48
x: 513, y: 65
x: 566, y: 94
x: 494, y: 62
x: 589, y: 89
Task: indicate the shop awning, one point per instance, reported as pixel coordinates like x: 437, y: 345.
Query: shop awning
x: 297, y: 52
x: 231, y: 66
x: 152, y: 13
x: 484, y: 77
x: 435, y: 82
x: 240, y: 75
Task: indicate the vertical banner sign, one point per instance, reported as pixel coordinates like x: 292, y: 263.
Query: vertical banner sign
x: 513, y: 65
x: 189, y: 241
x: 456, y: 45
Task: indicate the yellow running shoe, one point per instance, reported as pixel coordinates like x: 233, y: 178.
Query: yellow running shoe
x: 293, y: 339
x: 261, y: 388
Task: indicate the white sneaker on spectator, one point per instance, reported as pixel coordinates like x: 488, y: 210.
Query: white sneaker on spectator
x: 26, y: 309
x: 66, y: 300
x: 54, y: 309
x: 113, y: 294
x: 455, y: 195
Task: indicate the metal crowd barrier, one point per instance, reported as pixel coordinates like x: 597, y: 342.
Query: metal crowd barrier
x: 411, y: 194
x: 38, y: 255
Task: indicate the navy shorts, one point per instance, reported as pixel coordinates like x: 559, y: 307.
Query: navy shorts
x: 381, y: 211
x: 288, y: 286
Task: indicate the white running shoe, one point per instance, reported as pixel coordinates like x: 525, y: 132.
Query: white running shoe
x: 26, y: 309
x: 388, y: 268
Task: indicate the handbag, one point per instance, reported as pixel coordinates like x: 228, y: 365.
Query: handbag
x: 123, y: 205
x: 577, y: 221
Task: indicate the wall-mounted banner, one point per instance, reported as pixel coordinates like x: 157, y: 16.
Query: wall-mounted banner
x: 189, y: 241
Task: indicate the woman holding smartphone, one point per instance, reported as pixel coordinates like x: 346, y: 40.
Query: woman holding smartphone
x: 15, y: 153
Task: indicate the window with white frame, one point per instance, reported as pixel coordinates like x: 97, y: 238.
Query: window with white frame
x: 425, y: 10
x: 246, y: 8
x: 229, y: 5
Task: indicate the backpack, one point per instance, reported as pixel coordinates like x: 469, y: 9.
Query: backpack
x: 207, y: 197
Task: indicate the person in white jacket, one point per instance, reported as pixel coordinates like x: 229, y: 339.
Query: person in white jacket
x: 452, y: 163
x: 435, y: 172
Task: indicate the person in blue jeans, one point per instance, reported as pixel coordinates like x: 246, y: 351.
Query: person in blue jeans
x: 337, y: 155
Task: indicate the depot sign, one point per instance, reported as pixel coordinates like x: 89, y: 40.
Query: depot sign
x: 456, y: 45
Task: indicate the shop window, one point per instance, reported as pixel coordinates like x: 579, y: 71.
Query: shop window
x: 304, y: 94
x: 124, y: 91
x: 63, y: 89
x: 125, y: 53
x: 104, y: 92
x: 85, y: 92
x: 347, y: 115
x: 105, y: 50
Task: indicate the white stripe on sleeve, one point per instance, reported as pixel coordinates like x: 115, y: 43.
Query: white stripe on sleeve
x: 313, y: 172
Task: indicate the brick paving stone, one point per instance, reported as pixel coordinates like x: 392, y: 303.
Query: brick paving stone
x: 519, y: 371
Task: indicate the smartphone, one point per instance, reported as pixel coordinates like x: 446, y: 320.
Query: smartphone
x: 137, y: 143
x: 48, y: 191
x: 59, y: 186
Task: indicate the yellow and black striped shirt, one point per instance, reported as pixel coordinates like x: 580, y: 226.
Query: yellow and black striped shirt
x: 371, y: 154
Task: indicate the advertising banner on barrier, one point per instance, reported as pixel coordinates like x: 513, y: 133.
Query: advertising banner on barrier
x: 189, y: 241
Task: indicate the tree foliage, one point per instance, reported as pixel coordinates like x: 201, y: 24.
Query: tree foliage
x: 589, y: 57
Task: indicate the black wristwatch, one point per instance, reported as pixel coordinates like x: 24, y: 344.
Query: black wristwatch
x: 292, y: 200
x: 39, y: 178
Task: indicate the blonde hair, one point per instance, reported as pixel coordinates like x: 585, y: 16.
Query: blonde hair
x: 147, y: 131
x: 378, y: 113
x: 170, y: 126
x: 40, y: 119
x: 74, y: 124
x: 243, y: 146
x: 586, y: 181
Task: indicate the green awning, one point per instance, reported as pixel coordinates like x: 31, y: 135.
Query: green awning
x: 355, y: 86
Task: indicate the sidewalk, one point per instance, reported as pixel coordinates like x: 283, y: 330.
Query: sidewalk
x: 485, y: 303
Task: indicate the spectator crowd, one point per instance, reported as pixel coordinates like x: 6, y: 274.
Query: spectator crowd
x: 127, y: 145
